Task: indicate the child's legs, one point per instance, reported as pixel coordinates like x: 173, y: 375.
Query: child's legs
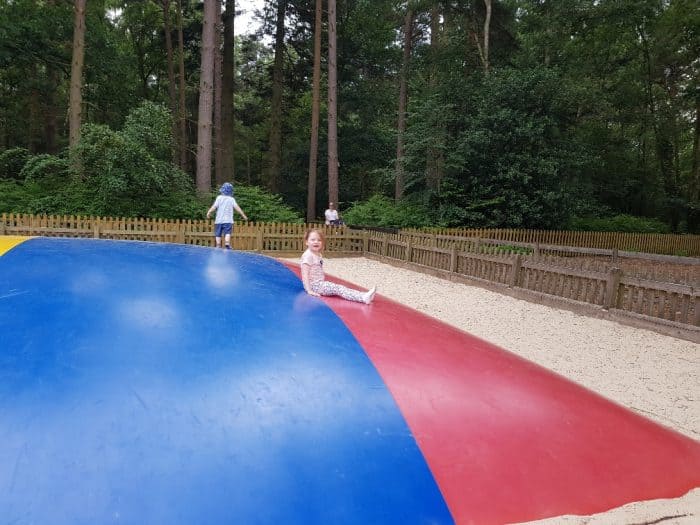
x: 328, y: 288
x: 222, y: 229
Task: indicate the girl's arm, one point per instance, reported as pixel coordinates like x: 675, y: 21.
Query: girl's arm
x: 305, y: 279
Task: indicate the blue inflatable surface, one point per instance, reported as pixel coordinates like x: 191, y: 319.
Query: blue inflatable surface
x: 169, y: 384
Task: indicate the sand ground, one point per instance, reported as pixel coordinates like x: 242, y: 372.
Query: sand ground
x: 655, y: 375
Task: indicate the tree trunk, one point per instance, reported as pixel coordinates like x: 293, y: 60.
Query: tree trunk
x: 51, y: 112
x: 487, y: 29
x: 183, y: 141
x: 206, y: 95
x: 332, y: 107
x: 403, y: 101
x: 315, y: 117
x: 275, y: 154
x: 34, y: 119
x: 663, y: 142
x: 695, y: 174
x: 219, y: 175
x: 227, y: 88
x: 435, y: 158
x: 76, y: 74
x: 172, y: 93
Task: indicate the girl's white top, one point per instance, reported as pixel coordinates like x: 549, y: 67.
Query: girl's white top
x: 315, y: 263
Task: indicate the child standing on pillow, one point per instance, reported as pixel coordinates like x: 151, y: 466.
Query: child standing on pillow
x: 224, y: 206
x: 314, y: 279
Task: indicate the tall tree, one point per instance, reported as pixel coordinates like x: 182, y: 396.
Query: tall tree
x: 172, y: 90
x: 76, y: 75
x: 332, y: 105
x: 183, y: 140
x: 227, y: 89
x: 403, y: 102
x: 435, y: 159
x: 275, y: 154
x: 219, y: 174
x: 206, y: 97
x: 315, y: 116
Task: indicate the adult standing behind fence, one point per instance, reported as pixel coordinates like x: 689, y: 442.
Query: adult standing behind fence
x: 224, y: 206
x: 332, y: 216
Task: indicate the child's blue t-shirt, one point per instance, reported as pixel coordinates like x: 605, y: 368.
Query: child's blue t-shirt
x: 224, y: 209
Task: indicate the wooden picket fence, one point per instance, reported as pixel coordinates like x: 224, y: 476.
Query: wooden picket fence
x: 660, y: 243
x: 609, y: 279
x: 270, y: 238
x: 655, y: 288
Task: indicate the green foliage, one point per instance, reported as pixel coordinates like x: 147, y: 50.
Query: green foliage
x: 47, y: 168
x: 619, y: 223
x: 513, y: 156
x: 262, y: 206
x: 12, y: 161
x: 507, y: 248
x: 128, y: 172
x: 14, y: 196
x: 383, y: 212
x: 150, y: 126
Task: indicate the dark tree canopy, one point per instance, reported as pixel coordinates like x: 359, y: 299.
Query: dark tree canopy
x: 518, y: 113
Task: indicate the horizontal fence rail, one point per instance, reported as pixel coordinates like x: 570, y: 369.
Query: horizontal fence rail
x: 659, y: 243
x: 276, y: 238
x: 651, y: 286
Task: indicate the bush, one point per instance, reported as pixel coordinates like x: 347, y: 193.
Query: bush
x: 12, y: 161
x: 619, y: 223
x: 125, y: 176
x: 49, y: 168
x: 262, y: 206
x: 14, y: 196
x: 381, y: 211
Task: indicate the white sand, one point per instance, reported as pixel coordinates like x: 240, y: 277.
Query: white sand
x: 655, y: 375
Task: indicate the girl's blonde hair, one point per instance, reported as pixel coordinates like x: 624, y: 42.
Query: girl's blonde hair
x: 319, y: 232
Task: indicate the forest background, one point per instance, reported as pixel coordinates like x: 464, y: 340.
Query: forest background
x: 567, y: 114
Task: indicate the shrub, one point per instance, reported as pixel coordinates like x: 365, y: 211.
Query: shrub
x: 619, y: 223
x: 48, y: 168
x: 383, y: 212
x: 11, y: 162
x: 262, y: 206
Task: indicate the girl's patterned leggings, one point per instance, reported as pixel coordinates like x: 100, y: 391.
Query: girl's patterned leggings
x: 328, y: 288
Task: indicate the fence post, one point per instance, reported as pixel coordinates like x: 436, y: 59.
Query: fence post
x: 385, y: 245
x: 515, y: 271
x: 259, y: 239
x: 96, y: 228
x: 409, y: 249
x: 180, y: 238
x: 453, y: 257
x: 2, y: 224
x: 612, y: 284
x: 365, y: 242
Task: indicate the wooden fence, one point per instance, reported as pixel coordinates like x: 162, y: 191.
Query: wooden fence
x: 599, y: 283
x: 667, y: 244
x: 273, y: 238
x: 653, y: 287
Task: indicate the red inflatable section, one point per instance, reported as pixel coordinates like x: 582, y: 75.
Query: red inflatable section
x: 507, y: 440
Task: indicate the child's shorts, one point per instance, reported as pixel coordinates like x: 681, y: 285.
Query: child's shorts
x: 222, y: 229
